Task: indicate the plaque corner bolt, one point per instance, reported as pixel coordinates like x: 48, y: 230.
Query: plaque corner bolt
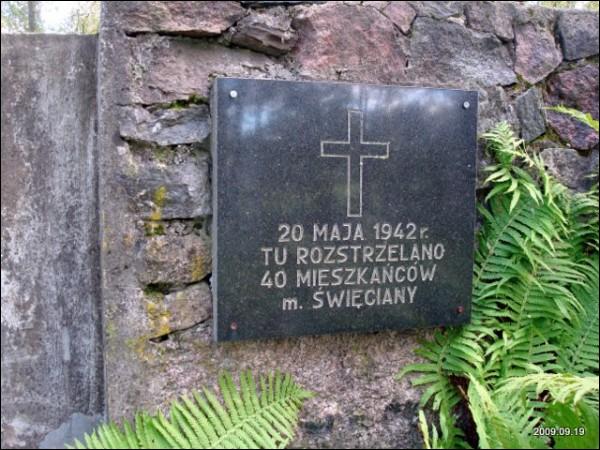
x: 233, y: 326
x: 466, y: 105
x: 233, y: 93
x: 460, y: 309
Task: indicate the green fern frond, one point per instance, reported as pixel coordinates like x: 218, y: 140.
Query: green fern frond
x: 503, y: 144
x: 448, y: 436
x: 585, y: 118
x: 583, y: 211
x: 428, y: 442
x: 110, y: 436
x: 497, y: 424
x: 579, y: 343
x: 452, y: 353
x: 507, y: 237
x: 520, y: 351
x: 507, y: 177
x: 581, y: 420
x: 564, y: 388
x: 246, y: 418
x: 534, y: 308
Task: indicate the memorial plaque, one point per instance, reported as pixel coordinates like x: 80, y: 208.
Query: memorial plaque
x: 340, y: 207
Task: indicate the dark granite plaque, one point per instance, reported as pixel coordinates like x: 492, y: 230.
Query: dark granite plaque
x: 340, y: 207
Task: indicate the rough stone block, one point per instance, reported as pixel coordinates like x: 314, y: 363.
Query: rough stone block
x: 536, y: 54
x: 378, y: 5
x: 449, y: 54
x: 401, y: 14
x: 175, y: 260
x: 360, y: 44
x: 439, y: 10
x: 164, y: 69
x: 494, y: 107
x: 266, y: 32
x: 182, y: 18
x: 576, y: 88
x: 177, y: 310
x: 540, y: 16
x: 578, y: 33
x: 495, y: 17
x: 170, y: 183
x: 570, y: 168
x: 165, y: 127
x: 530, y: 111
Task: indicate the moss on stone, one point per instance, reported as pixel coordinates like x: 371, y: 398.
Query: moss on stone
x: 193, y: 99
x: 157, y: 289
x: 160, y: 196
x: 521, y: 84
x: 141, y: 347
x: 158, y: 315
x: 153, y: 228
x: 162, y: 154
x: 198, y: 267
x: 550, y: 135
x: 156, y: 214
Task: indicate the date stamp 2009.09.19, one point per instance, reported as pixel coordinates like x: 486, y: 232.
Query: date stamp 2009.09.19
x: 559, y: 431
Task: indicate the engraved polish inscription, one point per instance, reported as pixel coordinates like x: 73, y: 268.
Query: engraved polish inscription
x: 387, y: 273
x: 340, y: 207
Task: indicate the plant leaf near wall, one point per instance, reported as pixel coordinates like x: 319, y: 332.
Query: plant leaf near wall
x: 248, y: 417
x: 524, y: 372
x: 585, y: 118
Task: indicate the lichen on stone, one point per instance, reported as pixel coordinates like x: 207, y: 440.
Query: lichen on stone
x: 193, y: 99
x: 152, y: 228
x: 159, y: 198
x: 157, y: 314
x: 199, y: 267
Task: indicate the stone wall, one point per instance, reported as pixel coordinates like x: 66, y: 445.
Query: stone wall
x: 157, y: 62
x: 155, y: 65
x: 52, y: 381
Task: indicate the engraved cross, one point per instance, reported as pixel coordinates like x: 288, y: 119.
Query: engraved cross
x: 355, y: 149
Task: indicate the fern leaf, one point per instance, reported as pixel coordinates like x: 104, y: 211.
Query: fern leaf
x: 193, y: 418
x: 497, y: 425
x: 247, y: 419
x: 580, y: 341
x: 563, y: 388
x: 582, y: 117
x: 534, y: 309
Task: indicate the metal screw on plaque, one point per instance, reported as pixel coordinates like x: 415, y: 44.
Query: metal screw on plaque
x: 233, y: 94
x: 466, y: 105
x: 460, y: 309
x: 233, y: 326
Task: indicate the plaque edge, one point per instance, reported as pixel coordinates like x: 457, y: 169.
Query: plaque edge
x: 350, y: 83
x: 213, y: 106
x: 217, y: 85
